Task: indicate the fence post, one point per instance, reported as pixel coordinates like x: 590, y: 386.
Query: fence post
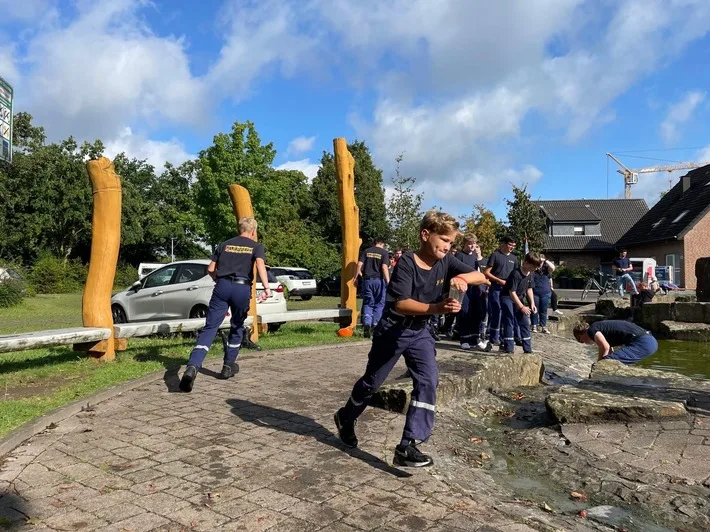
x: 105, y: 241
x: 241, y: 203
x: 350, y: 228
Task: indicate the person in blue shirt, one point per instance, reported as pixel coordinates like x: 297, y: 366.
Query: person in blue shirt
x: 542, y: 290
x: 622, y: 266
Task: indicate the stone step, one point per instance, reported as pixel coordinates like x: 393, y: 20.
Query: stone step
x: 575, y: 405
x: 693, y: 332
x: 463, y: 375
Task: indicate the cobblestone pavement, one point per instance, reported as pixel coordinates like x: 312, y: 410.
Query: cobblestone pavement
x: 256, y: 452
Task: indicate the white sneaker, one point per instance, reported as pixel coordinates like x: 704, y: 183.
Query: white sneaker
x: 544, y: 330
x: 466, y: 346
x: 558, y: 311
x: 533, y: 328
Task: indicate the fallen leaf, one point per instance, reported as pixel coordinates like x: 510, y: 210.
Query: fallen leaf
x: 582, y: 514
x: 578, y: 496
x: 545, y: 507
x: 518, y: 396
x: 213, y: 495
x: 476, y: 440
x: 484, y: 456
x: 33, y: 521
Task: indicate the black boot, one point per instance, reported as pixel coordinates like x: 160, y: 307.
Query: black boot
x: 188, y: 379
x: 229, y: 371
x: 367, y: 332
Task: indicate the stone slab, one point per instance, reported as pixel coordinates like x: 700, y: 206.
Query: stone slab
x: 36, y: 339
x: 692, y: 312
x: 465, y: 375
x: 148, y: 328
x: 692, y: 332
x: 304, y: 315
x: 575, y: 405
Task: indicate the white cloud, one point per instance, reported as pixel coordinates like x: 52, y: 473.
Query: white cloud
x: 24, y: 10
x: 309, y: 168
x: 678, y: 114
x: 157, y: 153
x: 300, y: 145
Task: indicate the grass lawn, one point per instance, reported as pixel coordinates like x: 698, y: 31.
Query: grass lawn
x: 34, y: 382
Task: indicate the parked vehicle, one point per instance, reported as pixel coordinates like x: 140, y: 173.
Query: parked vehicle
x: 144, y: 268
x: 181, y: 290
x: 298, y: 281
x: 330, y: 286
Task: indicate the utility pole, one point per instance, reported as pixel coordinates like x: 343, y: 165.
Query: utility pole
x: 172, y: 249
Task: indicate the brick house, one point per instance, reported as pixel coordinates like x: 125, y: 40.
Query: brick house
x: 676, y: 231
x: 585, y: 232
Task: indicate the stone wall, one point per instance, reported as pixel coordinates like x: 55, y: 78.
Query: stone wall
x: 697, y: 246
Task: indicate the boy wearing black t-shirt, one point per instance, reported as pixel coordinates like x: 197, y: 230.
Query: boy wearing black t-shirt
x: 518, y: 287
x: 373, y: 267
x: 415, y: 293
x: 232, y: 268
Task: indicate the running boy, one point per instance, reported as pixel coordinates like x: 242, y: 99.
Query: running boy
x: 518, y: 287
x: 415, y: 292
x: 638, y: 343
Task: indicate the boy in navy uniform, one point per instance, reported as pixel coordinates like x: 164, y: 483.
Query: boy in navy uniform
x: 518, y: 287
x: 500, y: 265
x: 373, y: 266
x: 637, y: 342
x: 232, y: 268
x: 469, y: 319
x: 415, y: 293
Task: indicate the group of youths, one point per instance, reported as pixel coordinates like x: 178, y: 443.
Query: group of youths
x: 398, y: 306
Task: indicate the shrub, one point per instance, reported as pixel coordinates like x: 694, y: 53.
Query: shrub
x: 126, y: 275
x: 51, y: 275
x: 11, y: 293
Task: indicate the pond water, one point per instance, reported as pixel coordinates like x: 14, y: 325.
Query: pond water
x: 689, y: 358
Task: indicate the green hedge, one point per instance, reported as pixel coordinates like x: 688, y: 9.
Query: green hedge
x: 11, y: 293
x: 51, y: 275
x: 126, y: 275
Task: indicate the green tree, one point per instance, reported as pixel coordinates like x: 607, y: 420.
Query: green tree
x: 525, y: 220
x: 238, y: 157
x: 404, y: 211
x: 483, y: 223
x: 369, y: 196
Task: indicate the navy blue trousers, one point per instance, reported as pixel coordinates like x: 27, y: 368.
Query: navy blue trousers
x: 471, y: 316
x: 511, y: 315
x: 226, y: 295
x: 637, y: 350
x: 373, y: 301
x: 542, y: 303
x: 391, y: 341
x: 494, y: 312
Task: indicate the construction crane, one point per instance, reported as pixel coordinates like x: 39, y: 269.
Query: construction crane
x: 631, y: 177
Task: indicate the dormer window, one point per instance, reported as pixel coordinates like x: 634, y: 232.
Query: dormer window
x: 680, y: 216
x: 578, y: 230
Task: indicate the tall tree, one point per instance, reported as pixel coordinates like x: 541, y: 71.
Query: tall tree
x: 369, y: 196
x: 237, y: 157
x: 404, y: 211
x: 483, y: 223
x: 525, y: 220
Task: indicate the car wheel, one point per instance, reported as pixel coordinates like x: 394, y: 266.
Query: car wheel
x: 306, y: 298
x: 273, y: 327
x: 118, y: 314
x: 200, y: 311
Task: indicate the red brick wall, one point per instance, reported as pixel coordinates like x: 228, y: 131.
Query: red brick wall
x: 697, y: 245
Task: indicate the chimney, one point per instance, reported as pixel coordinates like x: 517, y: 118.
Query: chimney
x: 686, y: 183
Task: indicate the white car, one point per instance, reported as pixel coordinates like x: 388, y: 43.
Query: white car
x: 181, y: 290
x: 298, y: 281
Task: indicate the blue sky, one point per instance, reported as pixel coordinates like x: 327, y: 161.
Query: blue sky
x: 477, y: 95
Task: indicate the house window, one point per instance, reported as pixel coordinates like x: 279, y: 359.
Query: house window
x: 680, y: 217
x: 659, y: 222
x: 578, y: 230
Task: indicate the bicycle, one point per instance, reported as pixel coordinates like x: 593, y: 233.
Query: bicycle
x: 608, y: 285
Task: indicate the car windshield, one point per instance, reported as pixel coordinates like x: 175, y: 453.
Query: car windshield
x: 301, y: 274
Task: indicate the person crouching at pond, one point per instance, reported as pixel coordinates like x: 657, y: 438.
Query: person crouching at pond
x: 637, y: 343
x: 415, y: 293
x: 519, y: 287
x: 232, y: 268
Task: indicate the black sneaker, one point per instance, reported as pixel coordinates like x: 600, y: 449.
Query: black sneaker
x: 229, y: 371
x: 410, y: 456
x: 346, y: 430
x: 188, y: 379
x: 367, y: 332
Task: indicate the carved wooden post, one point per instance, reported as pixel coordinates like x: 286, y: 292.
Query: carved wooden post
x: 105, y: 240
x: 241, y: 203
x: 350, y: 227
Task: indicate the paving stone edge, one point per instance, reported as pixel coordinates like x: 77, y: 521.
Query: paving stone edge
x: 24, y: 432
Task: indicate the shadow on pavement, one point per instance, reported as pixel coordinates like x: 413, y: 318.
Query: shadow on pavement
x: 304, y: 426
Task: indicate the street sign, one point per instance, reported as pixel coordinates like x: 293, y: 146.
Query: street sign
x: 5, y: 121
